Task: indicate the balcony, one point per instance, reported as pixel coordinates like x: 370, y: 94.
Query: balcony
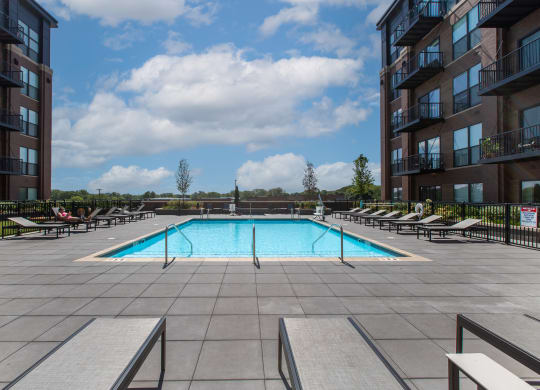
x: 419, y: 69
x: 504, y: 13
x: 11, y: 121
x: 10, y: 32
x: 30, y: 129
x: 418, y: 117
x: 420, y: 20
x: 512, y: 145
x: 418, y: 163
x: 514, y: 72
x: 30, y: 91
x: 10, y: 76
x: 10, y: 166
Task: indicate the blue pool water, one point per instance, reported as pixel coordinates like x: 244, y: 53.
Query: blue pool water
x: 233, y: 238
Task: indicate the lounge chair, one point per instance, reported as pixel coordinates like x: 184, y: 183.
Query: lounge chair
x: 484, y: 372
x: 345, y: 214
x: 107, y: 216
x: 333, y: 353
x: 23, y: 223
x: 74, y: 221
x: 406, y: 217
x: 122, y: 214
x: 335, y: 213
x: 413, y: 224
x: 373, y: 218
x: 362, y: 216
x: 105, y: 353
x: 467, y: 225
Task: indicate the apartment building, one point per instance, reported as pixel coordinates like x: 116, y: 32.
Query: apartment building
x: 25, y: 100
x: 460, y: 100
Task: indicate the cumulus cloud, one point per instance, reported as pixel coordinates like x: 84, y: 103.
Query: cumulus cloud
x: 287, y: 170
x: 377, y: 12
x: 214, y: 97
x: 174, y: 44
x: 123, y: 179
x: 305, y: 12
x: 115, y: 12
x: 329, y: 39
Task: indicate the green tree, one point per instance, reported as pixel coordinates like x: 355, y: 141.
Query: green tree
x: 362, y: 179
x: 183, y: 178
x: 236, y: 195
x: 310, y: 179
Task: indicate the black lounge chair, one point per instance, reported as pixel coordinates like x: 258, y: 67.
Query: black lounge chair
x: 370, y: 220
x: 467, y: 225
x: 333, y: 353
x: 406, y: 217
x: 23, y: 223
x: 336, y: 213
x: 414, y: 224
x: 350, y: 214
x: 362, y: 216
x: 76, y: 221
x: 105, y: 353
x: 107, y: 217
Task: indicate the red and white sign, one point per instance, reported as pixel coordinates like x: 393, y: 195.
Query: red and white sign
x: 529, y: 217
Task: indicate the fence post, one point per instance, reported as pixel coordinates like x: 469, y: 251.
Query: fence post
x: 408, y: 207
x: 507, y: 224
x: 463, y: 211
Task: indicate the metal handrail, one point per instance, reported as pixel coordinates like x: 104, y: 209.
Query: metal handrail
x: 166, y: 241
x: 322, y: 235
x: 253, y: 246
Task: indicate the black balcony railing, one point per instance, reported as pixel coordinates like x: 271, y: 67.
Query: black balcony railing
x: 10, y: 166
x: 417, y: 163
x: 511, y: 145
x: 30, y: 129
x: 419, y: 69
x: 417, y: 117
x: 504, y: 13
x: 29, y: 169
x: 10, y: 76
x: 11, y: 121
x: 10, y: 32
x: 420, y: 19
x: 515, y: 71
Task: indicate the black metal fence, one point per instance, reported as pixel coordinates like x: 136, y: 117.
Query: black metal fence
x: 501, y: 221
x: 41, y: 211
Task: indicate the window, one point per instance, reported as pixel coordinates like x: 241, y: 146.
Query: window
x: 430, y: 54
x: 469, y: 193
x: 30, y: 47
x: 530, y: 191
x: 394, y: 92
x: 395, y: 51
x: 28, y: 193
x: 29, y: 158
x: 30, y: 122
x: 397, y: 194
x: 529, y: 51
x: 430, y: 104
x: 530, y: 117
x: 430, y: 192
x: 467, y: 145
x: 465, y: 34
x: 430, y: 153
x: 396, y: 119
x: 396, y: 160
x: 466, y: 89
x: 31, y: 83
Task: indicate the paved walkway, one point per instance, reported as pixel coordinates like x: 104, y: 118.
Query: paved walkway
x: 222, y: 316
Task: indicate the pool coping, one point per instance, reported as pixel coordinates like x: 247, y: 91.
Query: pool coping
x: 99, y: 256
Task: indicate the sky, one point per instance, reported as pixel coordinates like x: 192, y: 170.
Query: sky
x: 243, y: 89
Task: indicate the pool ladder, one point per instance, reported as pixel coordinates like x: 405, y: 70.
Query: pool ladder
x: 167, y: 244
x: 322, y: 235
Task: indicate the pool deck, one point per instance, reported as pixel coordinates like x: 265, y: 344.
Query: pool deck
x: 222, y: 316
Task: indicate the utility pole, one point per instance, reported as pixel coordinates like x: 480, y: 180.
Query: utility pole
x: 99, y: 191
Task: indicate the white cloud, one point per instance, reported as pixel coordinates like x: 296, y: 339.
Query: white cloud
x: 145, y: 11
x: 305, y: 12
x: 377, y: 12
x: 124, y: 39
x: 174, y: 43
x: 287, y: 170
x: 215, y: 97
x: 330, y: 39
x: 124, y: 179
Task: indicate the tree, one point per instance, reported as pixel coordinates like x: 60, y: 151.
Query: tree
x: 362, y: 180
x: 310, y: 179
x: 183, y: 178
x: 236, y: 196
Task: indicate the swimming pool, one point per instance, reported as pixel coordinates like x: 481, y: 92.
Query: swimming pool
x: 233, y: 238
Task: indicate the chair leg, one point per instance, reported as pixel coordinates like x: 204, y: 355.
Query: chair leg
x: 453, y: 376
